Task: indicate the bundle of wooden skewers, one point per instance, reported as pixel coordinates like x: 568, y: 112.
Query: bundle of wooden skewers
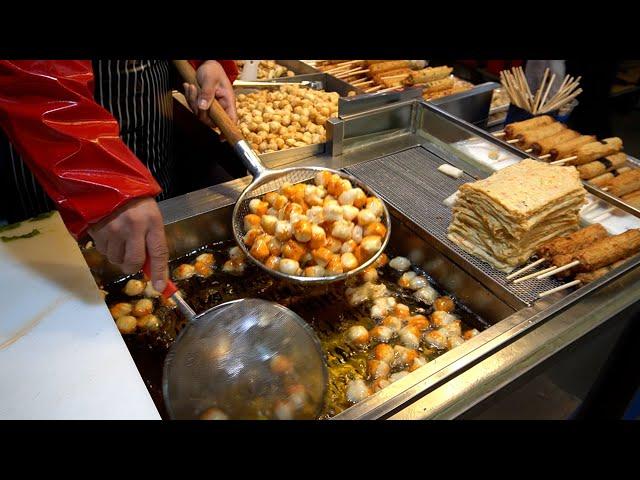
x: 516, y: 85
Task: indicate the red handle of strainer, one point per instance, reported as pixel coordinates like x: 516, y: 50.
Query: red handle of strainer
x: 170, y: 288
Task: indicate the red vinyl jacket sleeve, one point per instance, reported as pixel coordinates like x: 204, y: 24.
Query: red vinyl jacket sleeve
x: 70, y: 143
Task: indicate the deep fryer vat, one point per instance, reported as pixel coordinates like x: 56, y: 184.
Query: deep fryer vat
x: 323, y: 307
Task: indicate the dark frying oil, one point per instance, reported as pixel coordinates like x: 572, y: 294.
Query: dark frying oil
x: 324, y: 307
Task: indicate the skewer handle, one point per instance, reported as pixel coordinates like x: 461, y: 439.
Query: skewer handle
x: 558, y: 270
x: 560, y: 288
x: 525, y: 269
x: 531, y: 275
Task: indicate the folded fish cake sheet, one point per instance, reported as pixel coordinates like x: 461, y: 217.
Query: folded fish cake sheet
x: 505, y: 217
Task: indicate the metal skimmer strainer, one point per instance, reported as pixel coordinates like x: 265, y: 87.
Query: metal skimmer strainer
x: 244, y: 359
x: 266, y: 180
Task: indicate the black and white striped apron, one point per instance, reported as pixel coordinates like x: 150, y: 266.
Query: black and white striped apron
x: 137, y: 94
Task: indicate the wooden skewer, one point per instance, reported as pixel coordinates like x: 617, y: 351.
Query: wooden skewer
x: 539, y: 92
x: 394, y: 77
x: 499, y: 134
x: 605, y: 189
x: 531, y: 275
x: 564, y: 160
x: 525, y: 269
x: 563, y: 101
x: 546, y: 93
x: 542, y: 157
x: 373, y: 89
x: 529, y: 95
x: 560, y: 288
x: 515, y: 140
x: 361, y: 83
x: 528, y: 150
x: 555, y: 270
x: 338, y: 66
x: 353, y: 71
x: 389, y: 89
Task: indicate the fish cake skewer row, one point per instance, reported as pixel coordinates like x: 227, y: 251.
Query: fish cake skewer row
x: 603, y: 180
x: 572, y: 242
x: 568, y: 148
x: 429, y: 74
x: 585, y: 277
x: 592, y: 151
x: 528, y: 138
x: 625, y: 183
x: 544, y: 145
x: 602, y: 165
x: 515, y: 128
x: 599, y: 254
x: 632, y: 199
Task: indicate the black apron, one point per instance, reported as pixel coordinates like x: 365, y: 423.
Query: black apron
x: 138, y: 95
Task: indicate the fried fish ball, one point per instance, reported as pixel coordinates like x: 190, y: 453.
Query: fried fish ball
x: 314, y: 271
x: 393, y: 322
x: 142, y: 307
x: 260, y: 248
x: 410, y: 336
x: 268, y: 223
x: 403, y: 356
x: 375, y: 228
x: 203, y: 269
x: 251, y: 221
x: 436, y: 339
x: 280, y: 202
x: 348, y: 197
x: 470, y: 333
x: 381, y: 261
x: 369, y: 274
x: 348, y: 261
x: 234, y: 267
x: 401, y: 310
x: 370, y: 245
x: 293, y: 250
x: 357, y: 234
x: 349, y: 212
x: 357, y: 336
x: 420, y: 361
x: 134, y: 287
x: 342, y: 230
x: 302, y: 230
x: 148, y: 322
x: 316, y: 215
x: 454, y: 341
x: 318, y: 237
x: 375, y: 205
x: 384, y: 353
x: 452, y: 329
x: 206, y: 258
x: 313, y: 195
x: 333, y: 244
x: 213, y: 414
x: 381, y: 307
x: 322, y: 256
x: 283, y: 230
x: 348, y: 247
x: 426, y: 294
x: 275, y: 246
x: 120, y: 310
x: 419, y: 321
x: 377, y: 369
x: 381, y: 333
x: 440, y: 318
x: 168, y: 302
x: 334, y: 267
x: 270, y: 198
x: 289, y: 210
x: 184, y: 271
x: 126, y: 324
x: 332, y: 212
x: 258, y: 207
x: 272, y: 262
x: 251, y: 236
x: 288, y: 266
x: 322, y: 178
x: 365, y: 217
x: 444, y: 304
x: 357, y: 390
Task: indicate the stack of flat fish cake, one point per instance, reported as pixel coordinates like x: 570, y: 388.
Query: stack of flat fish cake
x: 505, y: 217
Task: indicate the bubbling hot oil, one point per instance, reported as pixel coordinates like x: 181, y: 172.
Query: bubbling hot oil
x: 324, y: 307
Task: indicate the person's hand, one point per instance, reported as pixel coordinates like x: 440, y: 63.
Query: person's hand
x: 131, y: 233
x: 212, y: 83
